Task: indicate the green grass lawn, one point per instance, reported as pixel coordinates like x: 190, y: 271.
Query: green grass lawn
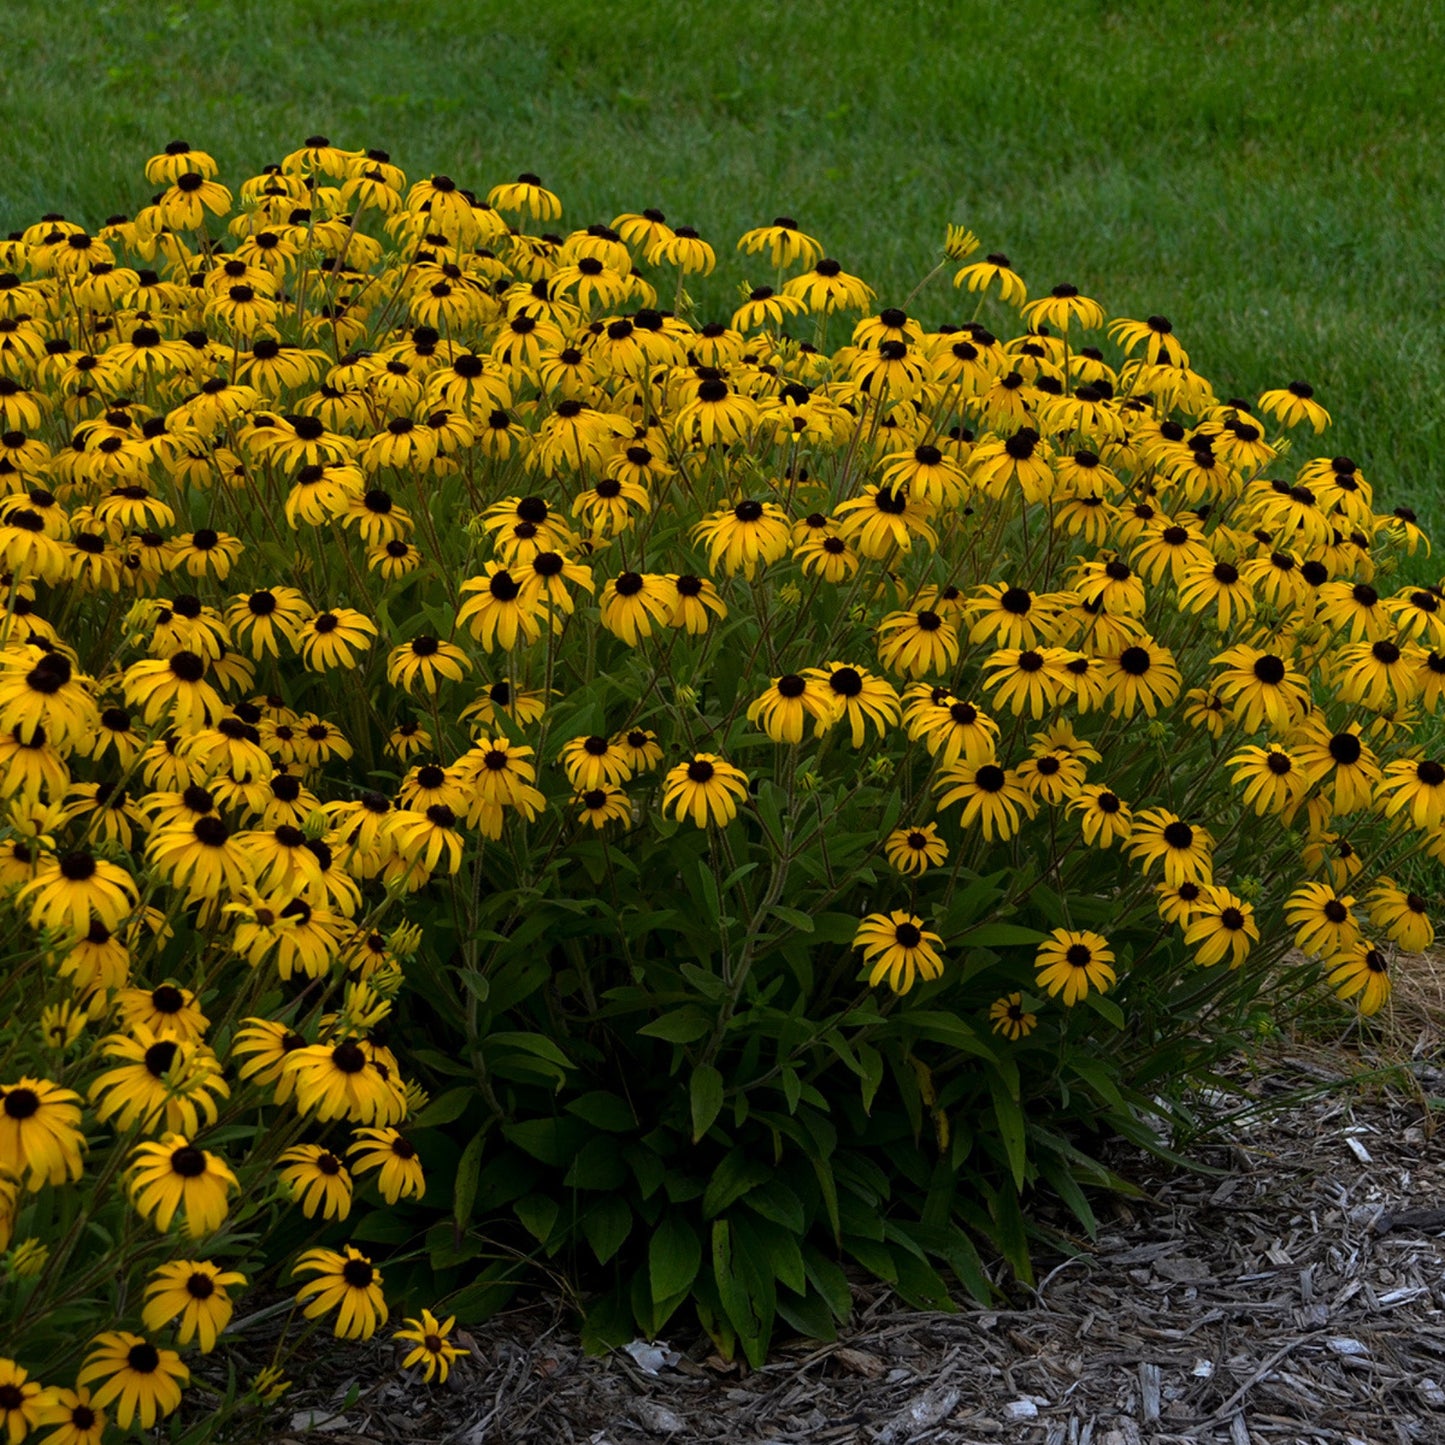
x: 1265, y: 175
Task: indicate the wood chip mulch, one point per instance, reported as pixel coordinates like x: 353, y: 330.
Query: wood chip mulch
x: 1296, y: 1296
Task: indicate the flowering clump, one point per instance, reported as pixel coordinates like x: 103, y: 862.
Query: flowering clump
x: 681, y: 779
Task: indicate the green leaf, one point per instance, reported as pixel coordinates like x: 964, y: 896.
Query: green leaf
x: 998, y: 935
x: 682, y: 1026
x: 809, y: 1314
x: 538, y: 1213
x: 607, y: 1224
x: 553, y: 1141
x: 538, y: 1044
x: 445, y: 1108
x: 775, y: 1201
x: 829, y: 1280
x: 674, y: 1256
x: 748, y: 1297
x: 468, y: 1168
x: 795, y: 917
x: 1106, y: 1008
x: 1009, y: 1116
x: 603, y: 1110
x: 792, y: 1087
x: 705, y: 1090
x: 597, y: 1166
x: 871, y: 1062
x: 733, y: 1178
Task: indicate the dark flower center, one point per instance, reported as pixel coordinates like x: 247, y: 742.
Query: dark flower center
x: 143, y: 1358
x: 189, y: 1162
x: 700, y: 770
x: 1345, y: 748
x: 21, y: 1103
x: 167, y: 999
x: 77, y: 867
x: 357, y: 1273
x: 1179, y: 835
x: 348, y: 1057
x: 990, y: 778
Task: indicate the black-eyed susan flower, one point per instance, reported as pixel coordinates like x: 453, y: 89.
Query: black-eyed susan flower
x: 428, y: 838
x: 1272, y: 780
x: 347, y: 1282
x: 634, y: 603
x: 1062, y: 306
x: 915, y: 850
x: 496, y: 611
x: 995, y: 267
x: 1322, y: 919
x: 40, y: 1137
x: 335, y: 638
x: 594, y: 762
x: 993, y: 797
x: 1221, y: 926
x: 393, y: 1157
x: 694, y: 603
x: 426, y: 662
x: 1184, y: 850
x: 784, y: 710
x: 1104, y: 816
x: 204, y: 859
x: 1362, y: 972
x: 898, y: 948
x: 1070, y: 962
x: 1402, y: 913
x: 1355, y: 609
x: 1340, y: 760
x: 167, y: 1010
x: 1008, y: 1016
x: 69, y: 893
x: 685, y: 249
x: 1052, y: 777
x: 741, y: 538
x: 828, y: 288
x: 1292, y: 404
x: 343, y: 1080
x: 157, y: 1080
x: 1262, y: 687
x: 142, y: 1381
x: 783, y: 242
x: 604, y: 804
x: 432, y: 1349
x: 920, y: 643
x: 1414, y: 786
x: 194, y: 1294
x: 174, y: 688
x: 172, y: 1176
x: 41, y: 691
x: 708, y: 789
x: 317, y: 1180
x: 1029, y: 681
x: 74, y: 1414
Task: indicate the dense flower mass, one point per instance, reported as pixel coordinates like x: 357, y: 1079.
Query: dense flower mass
x: 416, y: 617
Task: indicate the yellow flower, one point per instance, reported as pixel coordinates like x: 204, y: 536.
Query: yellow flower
x: 433, y: 1351
x: 897, y: 947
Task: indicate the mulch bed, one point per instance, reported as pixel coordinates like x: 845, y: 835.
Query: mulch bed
x: 1297, y: 1296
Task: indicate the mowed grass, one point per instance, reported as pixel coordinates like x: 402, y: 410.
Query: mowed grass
x: 1269, y: 176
